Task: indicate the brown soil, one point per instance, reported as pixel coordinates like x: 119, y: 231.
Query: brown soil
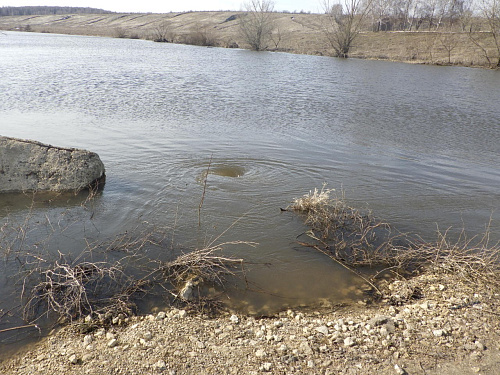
x: 298, y: 33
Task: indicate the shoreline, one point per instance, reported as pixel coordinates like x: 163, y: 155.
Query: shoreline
x: 449, y: 327
x: 298, y: 34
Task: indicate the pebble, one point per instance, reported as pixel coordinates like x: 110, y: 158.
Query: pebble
x: 160, y: 365
x: 267, y: 366
x: 399, y: 370
x: 234, y: 319
x: 438, y: 332
x: 73, y: 359
x: 304, y: 347
x: 479, y: 345
x: 323, y: 330
x: 349, y: 341
x: 259, y: 353
x: 112, y: 343
x: 87, y: 357
x: 379, y: 320
x: 200, y: 345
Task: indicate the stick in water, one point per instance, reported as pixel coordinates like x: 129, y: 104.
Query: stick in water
x: 204, y: 190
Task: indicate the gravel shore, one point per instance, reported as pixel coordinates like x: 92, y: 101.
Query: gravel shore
x: 432, y: 324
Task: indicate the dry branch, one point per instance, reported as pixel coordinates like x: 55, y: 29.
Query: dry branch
x: 355, y: 239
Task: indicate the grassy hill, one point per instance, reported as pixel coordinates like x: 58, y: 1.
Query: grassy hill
x: 295, y: 33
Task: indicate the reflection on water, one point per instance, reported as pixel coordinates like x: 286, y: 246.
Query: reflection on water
x: 416, y: 144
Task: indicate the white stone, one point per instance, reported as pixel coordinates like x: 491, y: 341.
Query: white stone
x: 399, y: 370
x: 438, y: 332
x: 186, y: 292
x: 304, y: 347
x: 234, y: 319
x: 349, y: 341
x: 282, y: 348
x: 87, y: 340
x: 200, y: 345
x: 323, y: 330
x: 161, y: 365
x: 260, y: 353
x: 112, y: 343
x: 480, y: 345
x: 267, y: 366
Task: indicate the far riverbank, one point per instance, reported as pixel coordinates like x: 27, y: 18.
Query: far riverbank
x: 297, y: 33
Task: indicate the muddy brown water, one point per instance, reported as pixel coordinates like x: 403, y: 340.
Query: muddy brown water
x: 418, y: 145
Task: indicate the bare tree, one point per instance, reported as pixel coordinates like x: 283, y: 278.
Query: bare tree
x: 490, y: 11
x: 276, y: 37
x: 162, y: 33
x: 449, y: 42
x: 343, y: 23
x: 257, y: 25
x: 380, y: 13
x: 464, y: 14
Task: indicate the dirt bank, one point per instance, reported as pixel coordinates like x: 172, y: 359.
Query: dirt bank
x: 434, y: 324
x: 298, y: 33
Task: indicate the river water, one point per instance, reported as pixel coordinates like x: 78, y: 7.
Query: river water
x: 418, y: 145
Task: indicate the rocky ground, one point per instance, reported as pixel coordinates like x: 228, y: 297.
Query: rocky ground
x: 433, y: 324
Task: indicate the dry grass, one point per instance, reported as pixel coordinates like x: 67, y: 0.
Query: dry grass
x: 473, y: 259
x: 208, y: 265
x: 356, y: 239
x: 302, y: 34
x: 71, y: 290
x: 106, y: 277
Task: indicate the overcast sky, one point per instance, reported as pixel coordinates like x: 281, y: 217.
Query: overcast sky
x: 164, y: 6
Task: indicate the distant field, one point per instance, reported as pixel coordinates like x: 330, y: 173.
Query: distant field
x: 298, y: 33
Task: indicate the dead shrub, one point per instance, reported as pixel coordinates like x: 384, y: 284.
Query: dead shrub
x: 200, y: 37
x: 356, y: 239
x: 163, y: 33
x: 207, y: 264
x: 72, y: 291
x: 69, y: 290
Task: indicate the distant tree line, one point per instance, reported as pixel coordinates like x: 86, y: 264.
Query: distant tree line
x: 47, y: 10
x: 414, y: 15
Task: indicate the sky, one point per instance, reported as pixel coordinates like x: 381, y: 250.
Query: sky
x: 165, y: 6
